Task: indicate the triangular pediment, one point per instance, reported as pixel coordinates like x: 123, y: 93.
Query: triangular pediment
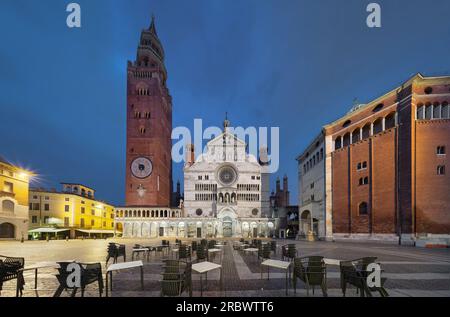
x: 230, y: 138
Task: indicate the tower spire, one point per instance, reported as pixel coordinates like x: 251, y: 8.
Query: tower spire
x: 152, y: 25
x: 226, y: 123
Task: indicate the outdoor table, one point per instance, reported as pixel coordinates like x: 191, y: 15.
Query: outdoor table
x: 283, y: 265
x: 214, y: 250
x: 123, y: 266
x: 251, y: 250
x: 139, y: 250
x: 42, y: 265
x: 204, y: 268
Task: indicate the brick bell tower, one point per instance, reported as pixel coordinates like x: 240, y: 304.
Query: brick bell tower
x: 149, y: 126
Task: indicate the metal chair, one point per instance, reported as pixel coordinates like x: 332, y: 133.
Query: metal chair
x: 10, y: 269
x: 312, y: 271
x: 89, y: 273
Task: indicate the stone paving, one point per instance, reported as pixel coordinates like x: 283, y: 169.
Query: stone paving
x: 410, y: 271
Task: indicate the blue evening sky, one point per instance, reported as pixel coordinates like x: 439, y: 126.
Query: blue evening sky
x: 296, y: 64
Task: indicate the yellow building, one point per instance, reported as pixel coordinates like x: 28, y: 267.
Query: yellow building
x: 14, y: 184
x: 72, y: 212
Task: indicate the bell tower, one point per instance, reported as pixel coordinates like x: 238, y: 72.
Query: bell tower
x: 149, y: 125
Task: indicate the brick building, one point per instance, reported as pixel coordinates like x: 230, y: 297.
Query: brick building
x: 149, y: 126
x: 386, y: 165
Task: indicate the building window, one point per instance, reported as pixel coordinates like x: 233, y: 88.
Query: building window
x: 66, y: 222
x: 82, y: 210
x: 255, y: 212
x: 92, y: 222
x: 82, y: 222
x: 363, y: 181
x: 104, y: 223
x: 441, y: 170
x: 36, y: 206
x: 8, y: 187
x: 34, y: 219
x: 359, y: 166
x: 200, y: 177
x: 199, y: 212
x: 92, y: 212
x: 364, y: 164
x: 46, y: 207
x: 363, y: 209
x: 66, y: 208
x: 66, y: 199
x: 311, y: 186
x: 440, y: 150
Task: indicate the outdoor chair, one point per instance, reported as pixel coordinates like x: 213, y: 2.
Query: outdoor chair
x: 355, y: 273
x: 89, y: 273
x: 312, y: 271
x: 172, y: 266
x: 174, y: 283
x: 184, y: 252
x: 204, y: 242
x: 10, y: 269
x: 194, y: 246
x: 115, y: 251
x: 165, y: 242
x: 202, y: 253
x: 211, y: 244
x: 264, y: 251
x: 289, y: 251
x: 273, y: 247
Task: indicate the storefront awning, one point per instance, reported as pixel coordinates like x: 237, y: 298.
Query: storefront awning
x: 46, y: 230
x: 95, y: 231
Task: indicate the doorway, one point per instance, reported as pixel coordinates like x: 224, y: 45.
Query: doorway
x: 227, y: 229
x: 7, y: 231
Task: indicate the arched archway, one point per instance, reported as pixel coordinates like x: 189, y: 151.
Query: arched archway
x: 305, y: 222
x: 7, y: 231
x: 227, y: 227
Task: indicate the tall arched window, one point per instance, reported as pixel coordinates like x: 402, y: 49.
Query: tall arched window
x: 363, y: 208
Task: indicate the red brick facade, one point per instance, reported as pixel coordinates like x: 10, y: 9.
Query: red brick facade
x: 387, y: 182
x: 149, y: 125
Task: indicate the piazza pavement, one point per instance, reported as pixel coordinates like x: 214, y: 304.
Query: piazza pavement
x: 409, y: 271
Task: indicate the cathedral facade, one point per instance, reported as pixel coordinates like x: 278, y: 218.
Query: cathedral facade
x: 227, y: 189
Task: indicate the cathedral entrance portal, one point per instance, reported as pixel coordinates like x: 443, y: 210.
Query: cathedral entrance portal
x: 227, y: 227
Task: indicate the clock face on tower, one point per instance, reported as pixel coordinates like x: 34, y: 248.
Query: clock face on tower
x: 141, y: 167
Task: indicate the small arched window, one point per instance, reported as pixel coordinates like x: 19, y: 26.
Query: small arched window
x: 346, y: 123
x: 428, y: 90
x: 378, y: 107
x: 8, y: 206
x: 363, y: 208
